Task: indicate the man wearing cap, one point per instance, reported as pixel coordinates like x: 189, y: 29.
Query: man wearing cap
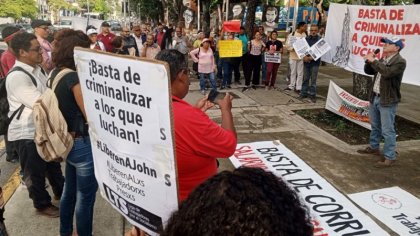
x: 94, y: 42
x: 42, y: 31
x: 106, y: 36
x: 384, y: 96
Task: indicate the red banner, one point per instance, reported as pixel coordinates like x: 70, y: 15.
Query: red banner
x: 232, y: 26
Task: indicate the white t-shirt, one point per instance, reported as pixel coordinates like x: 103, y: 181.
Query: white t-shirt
x: 21, y: 90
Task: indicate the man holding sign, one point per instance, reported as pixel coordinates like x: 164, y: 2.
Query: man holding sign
x: 310, y: 67
x: 199, y: 140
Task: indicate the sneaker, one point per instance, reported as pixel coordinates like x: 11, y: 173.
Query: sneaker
x: 297, y: 91
x: 228, y: 86
x: 254, y: 87
x: 288, y: 89
x: 369, y: 150
x: 50, y: 211
x: 222, y: 87
x: 302, y: 96
x: 245, y: 89
x: 12, y: 160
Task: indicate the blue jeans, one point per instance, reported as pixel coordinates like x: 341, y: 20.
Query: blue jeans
x: 382, y: 120
x: 310, y: 73
x: 203, y: 80
x: 79, y: 190
x: 219, y: 63
x: 227, y: 73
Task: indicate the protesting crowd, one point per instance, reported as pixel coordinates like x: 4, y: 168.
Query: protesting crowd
x: 41, y: 90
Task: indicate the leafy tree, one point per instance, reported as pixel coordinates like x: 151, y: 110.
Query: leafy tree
x: 18, y: 8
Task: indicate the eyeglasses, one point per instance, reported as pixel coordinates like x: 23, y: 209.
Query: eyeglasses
x: 38, y: 49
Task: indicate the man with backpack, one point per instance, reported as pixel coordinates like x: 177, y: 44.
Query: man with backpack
x: 24, y: 85
x: 6, y: 63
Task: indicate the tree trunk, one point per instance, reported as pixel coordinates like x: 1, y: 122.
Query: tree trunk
x: 361, y: 85
x: 250, y: 18
x: 206, y: 16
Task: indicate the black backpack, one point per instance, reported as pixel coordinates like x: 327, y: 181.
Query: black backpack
x: 4, y: 104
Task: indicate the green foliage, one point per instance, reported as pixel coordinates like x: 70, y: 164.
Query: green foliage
x: 152, y: 9
x: 56, y: 5
x: 101, y: 6
x: 18, y: 8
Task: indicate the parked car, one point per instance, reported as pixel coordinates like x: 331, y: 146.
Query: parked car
x: 64, y: 24
x: 115, y: 26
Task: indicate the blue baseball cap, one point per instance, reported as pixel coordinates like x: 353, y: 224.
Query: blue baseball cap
x: 394, y: 40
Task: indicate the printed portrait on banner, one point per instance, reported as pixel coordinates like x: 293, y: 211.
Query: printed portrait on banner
x: 237, y: 11
x: 270, y: 18
x: 188, y: 16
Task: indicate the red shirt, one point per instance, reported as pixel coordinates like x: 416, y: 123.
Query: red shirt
x: 7, y: 61
x: 199, y: 141
x: 106, y: 40
x: 159, y: 38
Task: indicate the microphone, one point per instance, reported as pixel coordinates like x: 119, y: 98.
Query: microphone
x: 374, y: 54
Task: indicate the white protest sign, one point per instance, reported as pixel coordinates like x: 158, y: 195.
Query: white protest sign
x: 273, y: 58
x: 319, y: 49
x: 331, y: 212
x: 353, y: 31
x: 128, y: 107
x: 348, y: 106
x: 291, y: 40
x: 396, y: 208
x: 301, y: 47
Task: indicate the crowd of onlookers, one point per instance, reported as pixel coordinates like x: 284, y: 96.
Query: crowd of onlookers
x: 245, y: 201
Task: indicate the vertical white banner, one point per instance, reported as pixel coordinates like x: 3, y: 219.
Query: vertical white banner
x: 128, y: 106
x: 354, y: 31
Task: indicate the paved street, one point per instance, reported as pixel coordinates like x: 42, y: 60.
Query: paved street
x: 261, y: 116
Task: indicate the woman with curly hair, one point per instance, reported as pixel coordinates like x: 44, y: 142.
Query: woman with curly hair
x: 246, y: 201
x: 80, y: 183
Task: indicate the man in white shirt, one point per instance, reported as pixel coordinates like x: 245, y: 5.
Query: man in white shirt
x: 295, y: 63
x: 24, y: 87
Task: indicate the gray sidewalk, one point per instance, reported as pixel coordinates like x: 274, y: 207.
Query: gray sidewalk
x: 260, y: 116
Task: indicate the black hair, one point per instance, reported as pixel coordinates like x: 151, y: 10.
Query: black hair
x: 9, y: 30
x: 175, y: 59
x: 65, y: 42
x: 242, y: 28
x: 300, y: 24
x: 246, y: 201
x: 90, y: 27
x: 22, y: 42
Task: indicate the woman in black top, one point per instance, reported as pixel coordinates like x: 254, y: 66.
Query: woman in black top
x: 273, y: 46
x: 80, y: 184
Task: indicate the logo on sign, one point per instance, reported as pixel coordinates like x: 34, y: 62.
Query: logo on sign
x: 386, y: 201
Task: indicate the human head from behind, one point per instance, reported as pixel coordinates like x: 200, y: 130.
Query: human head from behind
x: 63, y: 53
x: 117, y: 42
x: 41, y: 28
x: 178, y: 68
x: 245, y: 201
x: 392, y: 45
x: 8, y: 33
x: 26, y: 49
x: 105, y: 28
x: 301, y: 27
x: 271, y: 14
